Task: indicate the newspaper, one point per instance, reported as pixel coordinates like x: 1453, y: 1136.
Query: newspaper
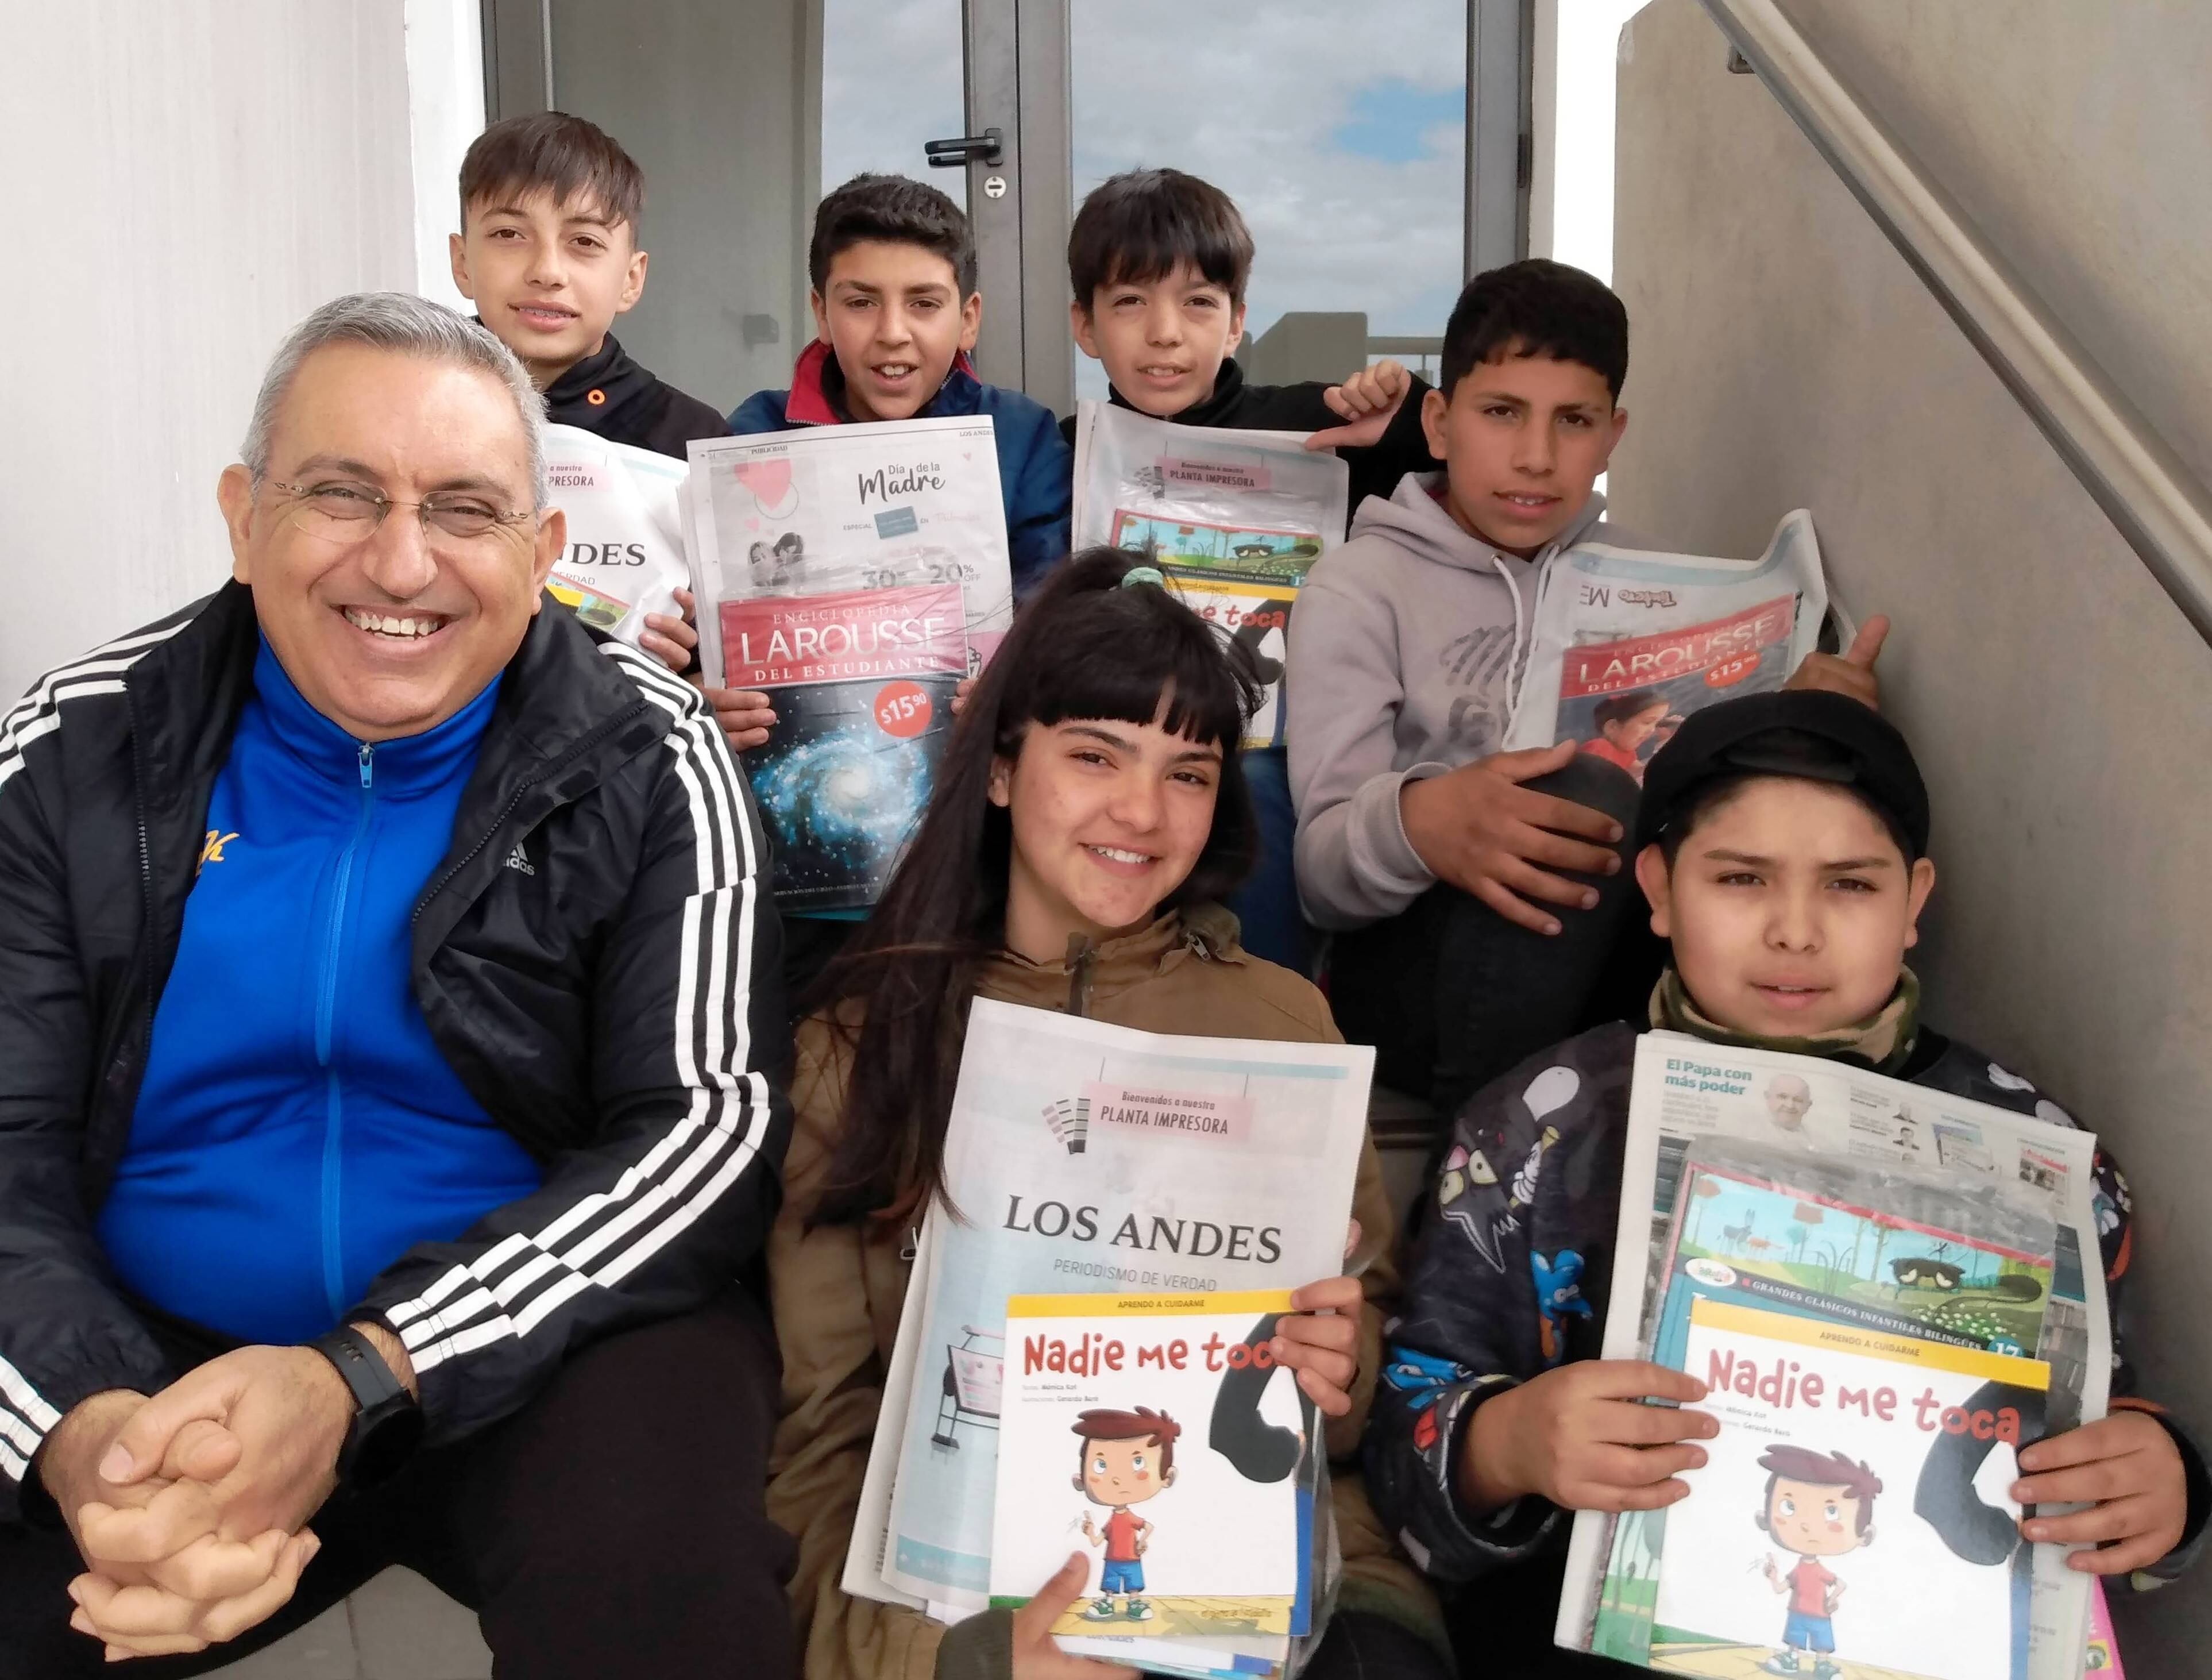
x: 1233, y: 519
x: 846, y: 509
x: 1625, y: 644
x: 625, y: 555
x: 1076, y: 1157
x: 1826, y: 1122
x: 855, y: 574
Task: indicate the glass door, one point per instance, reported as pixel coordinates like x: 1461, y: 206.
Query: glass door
x: 1348, y: 146
x: 1344, y: 143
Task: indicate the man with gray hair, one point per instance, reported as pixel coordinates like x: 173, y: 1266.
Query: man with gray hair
x: 391, y: 1077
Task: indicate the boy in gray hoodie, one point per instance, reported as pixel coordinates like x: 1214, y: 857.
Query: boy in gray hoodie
x: 1477, y: 895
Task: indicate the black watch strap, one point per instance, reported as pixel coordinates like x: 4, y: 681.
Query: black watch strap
x: 386, y: 1421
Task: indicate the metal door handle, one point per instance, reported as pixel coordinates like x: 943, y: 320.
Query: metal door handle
x: 989, y: 147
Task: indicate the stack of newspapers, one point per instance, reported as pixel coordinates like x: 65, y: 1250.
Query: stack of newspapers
x: 1887, y: 1290
x: 1083, y: 1159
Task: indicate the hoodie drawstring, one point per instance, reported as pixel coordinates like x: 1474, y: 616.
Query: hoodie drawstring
x: 1514, y: 674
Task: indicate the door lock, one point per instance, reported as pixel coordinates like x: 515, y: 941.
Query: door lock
x: 989, y: 147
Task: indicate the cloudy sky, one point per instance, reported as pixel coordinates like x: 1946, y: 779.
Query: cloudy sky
x: 1342, y: 142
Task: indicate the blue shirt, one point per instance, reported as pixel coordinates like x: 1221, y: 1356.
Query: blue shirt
x: 297, y: 1129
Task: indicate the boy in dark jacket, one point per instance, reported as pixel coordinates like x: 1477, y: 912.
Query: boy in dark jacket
x: 1159, y: 261
x: 893, y: 263
x: 1784, y: 856
x: 548, y: 253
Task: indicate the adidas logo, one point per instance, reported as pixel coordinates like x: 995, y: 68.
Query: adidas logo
x: 515, y: 860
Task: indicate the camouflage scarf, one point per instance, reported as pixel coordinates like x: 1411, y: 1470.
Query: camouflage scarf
x: 1883, y: 1041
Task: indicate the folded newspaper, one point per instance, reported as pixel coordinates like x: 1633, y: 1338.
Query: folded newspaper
x: 1625, y: 644
x: 1234, y: 520
x: 1082, y: 1158
x: 854, y: 573
x: 625, y: 554
x: 1885, y: 1289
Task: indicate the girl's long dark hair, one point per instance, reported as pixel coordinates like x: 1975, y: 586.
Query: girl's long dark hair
x: 1083, y: 647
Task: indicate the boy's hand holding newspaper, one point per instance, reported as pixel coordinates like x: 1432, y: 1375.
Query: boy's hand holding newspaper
x: 746, y: 714
x: 1851, y: 671
x: 1580, y: 1437
x: 1479, y: 829
x: 2127, y: 1469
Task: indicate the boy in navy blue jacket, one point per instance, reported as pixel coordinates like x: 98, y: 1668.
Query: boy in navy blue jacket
x: 1784, y: 859
x: 897, y: 311
x: 893, y: 267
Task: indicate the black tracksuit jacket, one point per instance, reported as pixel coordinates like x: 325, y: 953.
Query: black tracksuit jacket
x: 596, y: 957
x: 609, y: 394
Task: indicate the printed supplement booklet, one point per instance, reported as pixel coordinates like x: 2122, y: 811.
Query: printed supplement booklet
x: 1627, y: 644
x: 863, y: 685
x: 1145, y: 1430
x: 1839, y: 1518
x: 1788, y: 1216
x: 855, y: 574
x: 625, y: 555
x: 1082, y: 1157
x: 1232, y: 519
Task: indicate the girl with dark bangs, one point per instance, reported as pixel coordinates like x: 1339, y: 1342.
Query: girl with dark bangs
x: 1088, y: 814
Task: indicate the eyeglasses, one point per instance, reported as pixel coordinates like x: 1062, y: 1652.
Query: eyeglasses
x: 339, y: 510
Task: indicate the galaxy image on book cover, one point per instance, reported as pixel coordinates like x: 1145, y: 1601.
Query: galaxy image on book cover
x: 842, y: 779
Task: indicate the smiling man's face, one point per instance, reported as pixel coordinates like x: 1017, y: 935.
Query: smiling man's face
x: 389, y: 631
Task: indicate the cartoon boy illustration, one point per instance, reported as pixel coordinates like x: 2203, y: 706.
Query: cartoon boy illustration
x: 1127, y: 1458
x: 1788, y: 1097
x: 1818, y: 1505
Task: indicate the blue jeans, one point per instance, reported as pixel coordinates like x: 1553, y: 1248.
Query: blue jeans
x: 1117, y: 1578
x: 1267, y: 906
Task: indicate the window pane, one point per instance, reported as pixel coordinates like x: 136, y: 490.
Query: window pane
x: 1343, y: 143
x: 890, y: 80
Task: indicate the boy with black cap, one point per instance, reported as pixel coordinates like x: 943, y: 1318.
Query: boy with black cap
x: 1782, y: 850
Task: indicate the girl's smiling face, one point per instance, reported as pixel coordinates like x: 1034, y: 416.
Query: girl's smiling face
x: 1108, y: 819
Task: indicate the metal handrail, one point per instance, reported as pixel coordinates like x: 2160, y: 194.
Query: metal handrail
x: 2153, y: 499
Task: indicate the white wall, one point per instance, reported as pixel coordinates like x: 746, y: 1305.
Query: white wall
x: 1783, y: 355
x: 444, y: 112
x: 1570, y: 179
x: 188, y: 180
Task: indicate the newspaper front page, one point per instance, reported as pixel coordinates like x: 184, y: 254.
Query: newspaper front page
x: 853, y: 574
x: 1625, y: 644
x: 1817, y: 1121
x: 625, y: 554
x: 1085, y: 1158
x: 1234, y: 520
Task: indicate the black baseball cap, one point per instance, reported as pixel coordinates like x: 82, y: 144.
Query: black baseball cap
x: 1813, y: 733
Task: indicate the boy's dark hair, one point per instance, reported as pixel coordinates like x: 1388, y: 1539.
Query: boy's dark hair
x: 552, y: 152
x: 1536, y: 308
x: 1153, y: 1429
x: 1143, y: 224
x: 1822, y: 1469
x: 898, y: 210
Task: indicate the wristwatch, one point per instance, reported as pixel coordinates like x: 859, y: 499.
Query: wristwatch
x: 387, y: 1421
